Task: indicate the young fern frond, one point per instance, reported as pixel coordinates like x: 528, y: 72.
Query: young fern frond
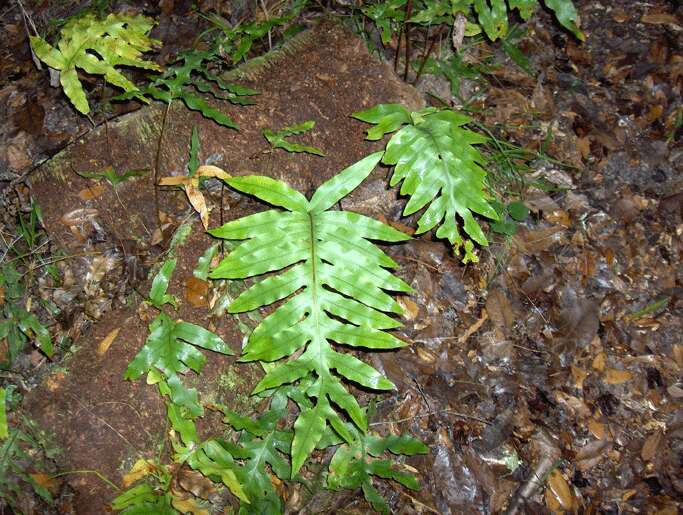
x: 437, y: 161
x: 354, y: 464
x: 334, y: 290
x: 190, y: 75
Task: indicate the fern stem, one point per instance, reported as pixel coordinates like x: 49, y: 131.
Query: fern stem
x: 220, y: 215
x: 409, y: 12
x: 398, y: 48
x: 95, y: 472
x: 425, y: 57
x: 155, y: 175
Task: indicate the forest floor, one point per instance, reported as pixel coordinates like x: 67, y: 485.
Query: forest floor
x: 546, y: 378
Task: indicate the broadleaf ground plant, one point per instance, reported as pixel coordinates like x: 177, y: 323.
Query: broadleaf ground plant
x: 179, y: 82
x: 488, y: 16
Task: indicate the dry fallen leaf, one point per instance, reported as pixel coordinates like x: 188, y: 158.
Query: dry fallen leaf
x: 500, y: 310
x: 187, y: 505
x: 51, y: 484
x: 597, y: 429
x: 410, y: 309
x: 197, y: 292
x: 560, y: 490
x: 616, y: 376
x: 579, y: 375
x: 106, y: 342
x: 651, y: 445
x: 661, y: 19
x: 91, y: 193
x: 140, y: 469
x: 191, y: 187
x: 599, y: 362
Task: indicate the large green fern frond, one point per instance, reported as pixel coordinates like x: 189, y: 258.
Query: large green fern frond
x: 334, y: 291
x: 439, y: 165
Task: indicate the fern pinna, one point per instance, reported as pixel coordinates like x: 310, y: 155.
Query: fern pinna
x: 437, y: 161
x: 334, y: 291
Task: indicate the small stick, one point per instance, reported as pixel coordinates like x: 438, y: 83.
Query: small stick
x: 156, y: 165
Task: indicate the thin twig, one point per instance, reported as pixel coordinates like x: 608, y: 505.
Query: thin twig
x: 96, y: 472
x: 430, y: 413
x: 85, y: 407
x: 156, y: 165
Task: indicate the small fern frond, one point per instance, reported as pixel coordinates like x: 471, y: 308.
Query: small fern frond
x: 98, y: 46
x: 435, y: 159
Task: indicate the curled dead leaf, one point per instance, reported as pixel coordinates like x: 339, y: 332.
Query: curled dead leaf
x: 140, y: 469
x: 106, y: 342
x: 78, y: 216
x: 196, y: 483
x: 191, y: 186
x: 198, y: 202
x: 474, y: 327
x: 211, y: 171
x: 575, y: 405
x: 425, y: 356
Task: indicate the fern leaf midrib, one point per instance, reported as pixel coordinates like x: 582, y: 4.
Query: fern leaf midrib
x: 315, y: 286
x: 439, y: 153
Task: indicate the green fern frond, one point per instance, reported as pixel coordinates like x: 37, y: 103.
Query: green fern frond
x: 334, y: 290
x: 181, y: 81
x: 437, y: 162
x: 354, y: 464
x: 97, y: 47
